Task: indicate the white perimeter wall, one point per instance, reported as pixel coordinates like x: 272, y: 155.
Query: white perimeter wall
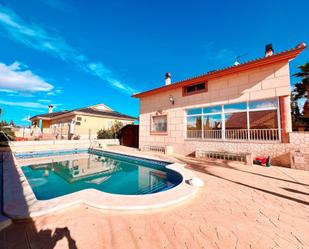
x: 24, y: 146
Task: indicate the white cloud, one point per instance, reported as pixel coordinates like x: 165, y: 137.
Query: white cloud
x: 24, y: 104
x: 102, y: 72
x: 7, y: 91
x: 33, y: 105
x: 45, y: 100
x: 37, y: 38
x: 15, y: 77
x: 26, y: 119
x: 55, y: 92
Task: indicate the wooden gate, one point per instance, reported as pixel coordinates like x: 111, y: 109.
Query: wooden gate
x: 129, y: 136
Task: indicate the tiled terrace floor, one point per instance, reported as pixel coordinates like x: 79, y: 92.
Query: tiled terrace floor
x: 239, y: 207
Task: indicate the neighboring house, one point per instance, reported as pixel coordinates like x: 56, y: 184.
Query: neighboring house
x: 82, y: 122
x: 245, y: 107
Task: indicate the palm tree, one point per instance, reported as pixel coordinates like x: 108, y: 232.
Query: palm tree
x: 301, y: 90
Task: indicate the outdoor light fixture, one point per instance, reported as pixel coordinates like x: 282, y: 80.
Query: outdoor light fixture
x: 171, y: 99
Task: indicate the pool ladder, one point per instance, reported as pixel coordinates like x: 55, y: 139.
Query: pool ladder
x: 94, y: 143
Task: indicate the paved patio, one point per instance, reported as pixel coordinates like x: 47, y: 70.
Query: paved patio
x: 239, y: 207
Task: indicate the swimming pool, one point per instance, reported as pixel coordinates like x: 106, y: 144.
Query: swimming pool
x: 104, y: 171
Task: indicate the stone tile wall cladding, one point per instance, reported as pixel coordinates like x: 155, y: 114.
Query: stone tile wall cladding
x: 266, y: 82
x: 299, y: 147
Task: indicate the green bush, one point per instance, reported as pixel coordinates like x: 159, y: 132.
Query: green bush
x: 9, y: 132
x: 113, y: 132
x: 6, y: 130
x: 76, y: 137
x: 105, y: 134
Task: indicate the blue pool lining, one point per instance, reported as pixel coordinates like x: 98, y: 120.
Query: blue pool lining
x: 34, y: 154
x: 153, y: 161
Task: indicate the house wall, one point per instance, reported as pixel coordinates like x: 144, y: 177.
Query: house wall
x: 62, y: 126
x: 90, y: 125
x: 265, y: 82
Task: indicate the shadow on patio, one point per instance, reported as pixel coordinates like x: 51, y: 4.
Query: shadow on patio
x: 23, y: 233
x: 204, y: 166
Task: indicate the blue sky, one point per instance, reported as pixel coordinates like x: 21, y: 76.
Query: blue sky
x: 74, y: 53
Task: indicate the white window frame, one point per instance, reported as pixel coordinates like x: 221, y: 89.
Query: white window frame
x: 223, y: 112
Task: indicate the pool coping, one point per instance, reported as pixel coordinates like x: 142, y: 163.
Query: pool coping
x: 19, y: 201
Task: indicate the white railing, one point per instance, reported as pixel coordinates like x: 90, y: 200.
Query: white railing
x: 194, y: 133
x: 212, y: 134
x: 236, y: 134
x: 239, y: 134
x: 265, y: 134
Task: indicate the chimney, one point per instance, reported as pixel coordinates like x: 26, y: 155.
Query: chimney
x: 50, y: 108
x: 269, y: 50
x: 167, y: 79
x: 301, y: 45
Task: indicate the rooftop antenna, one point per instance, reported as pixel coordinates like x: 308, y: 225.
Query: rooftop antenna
x: 237, y: 59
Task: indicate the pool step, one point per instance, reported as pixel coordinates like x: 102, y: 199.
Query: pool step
x: 159, y: 187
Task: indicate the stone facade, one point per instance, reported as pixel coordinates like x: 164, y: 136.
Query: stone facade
x: 299, y: 147
x: 271, y: 81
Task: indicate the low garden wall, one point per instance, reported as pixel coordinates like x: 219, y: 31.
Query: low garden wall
x: 299, y: 155
x: 57, y: 144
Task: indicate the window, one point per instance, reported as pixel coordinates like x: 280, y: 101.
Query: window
x: 77, y: 123
x: 255, y: 120
x: 263, y: 119
x: 79, y: 119
x: 263, y: 104
x: 212, y: 109
x: 236, y: 125
x: 159, y: 124
x: 196, y: 88
x: 205, y: 122
x: 235, y: 107
x: 194, y: 111
x: 212, y: 122
x: 264, y: 125
x: 212, y: 125
x: 237, y: 120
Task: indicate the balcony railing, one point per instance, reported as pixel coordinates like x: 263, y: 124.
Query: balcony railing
x: 236, y: 134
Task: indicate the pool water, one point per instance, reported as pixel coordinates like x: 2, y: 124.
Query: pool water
x: 104, y: 171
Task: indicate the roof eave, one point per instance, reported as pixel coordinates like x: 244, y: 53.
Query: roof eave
x: 39, y: 117
x: 104, y: 116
